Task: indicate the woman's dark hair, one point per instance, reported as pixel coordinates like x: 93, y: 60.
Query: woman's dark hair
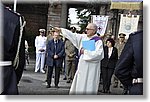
x: 112, y: 41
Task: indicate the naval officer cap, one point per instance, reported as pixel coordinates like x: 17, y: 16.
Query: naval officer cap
x: 41, y: 30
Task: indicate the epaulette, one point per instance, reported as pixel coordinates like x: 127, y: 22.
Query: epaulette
x: 18, y: 14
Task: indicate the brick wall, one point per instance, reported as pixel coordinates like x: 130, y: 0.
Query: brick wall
x: 54, y: 15
x: 36, y: 18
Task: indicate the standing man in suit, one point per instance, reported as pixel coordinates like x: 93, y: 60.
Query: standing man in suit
x: 129, y: 68
x: 55, y: 52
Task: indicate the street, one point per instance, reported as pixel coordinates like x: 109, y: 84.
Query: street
x: 34, y: 84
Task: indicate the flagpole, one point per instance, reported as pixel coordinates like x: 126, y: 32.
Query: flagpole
x: 15, y: 4
x: 1, y: 57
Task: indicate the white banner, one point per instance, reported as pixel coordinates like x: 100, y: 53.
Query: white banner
x: 128, y: 24
x: 101, y: 22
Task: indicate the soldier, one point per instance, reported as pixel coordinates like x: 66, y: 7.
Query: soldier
x: 40, y: 44
x: 119, y: 45
x: 13, y: 51
x: 129, y: 68
x: 70, y: 60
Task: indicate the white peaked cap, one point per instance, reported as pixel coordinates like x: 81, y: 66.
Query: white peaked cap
x: 41, y: 30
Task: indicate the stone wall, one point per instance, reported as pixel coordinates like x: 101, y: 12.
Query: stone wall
x: 36, y: 18
x: 54, y: 16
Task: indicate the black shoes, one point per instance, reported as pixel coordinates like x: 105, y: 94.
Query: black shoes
x: 56, y: 86
x: 64, y: 78
x: 108, y: 91
x: 125, y: 92
x: 69, y: 81
x: 48, y: 86
x: 105, y: 91
x: 24, y: 69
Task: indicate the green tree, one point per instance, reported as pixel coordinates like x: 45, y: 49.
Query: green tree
x: 69, y: 22
x: 84, y: 15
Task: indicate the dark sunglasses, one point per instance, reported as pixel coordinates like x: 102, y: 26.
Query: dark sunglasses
x: 89, y: 29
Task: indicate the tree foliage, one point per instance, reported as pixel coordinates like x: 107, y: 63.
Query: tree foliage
x: 84, y: 15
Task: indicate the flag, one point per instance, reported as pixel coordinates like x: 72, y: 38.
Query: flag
x: 101, y: 22
x: 127, y: 4
x: 128, y: 24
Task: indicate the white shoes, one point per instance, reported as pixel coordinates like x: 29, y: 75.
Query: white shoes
x: 42, y: 71
x: 36, y: 71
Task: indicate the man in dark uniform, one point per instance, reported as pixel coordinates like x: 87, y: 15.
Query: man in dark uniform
x: 11, y: 37
x: 129, y: 68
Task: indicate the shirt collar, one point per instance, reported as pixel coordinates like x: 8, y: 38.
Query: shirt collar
x: 92, y: 36
x: 55, y: 40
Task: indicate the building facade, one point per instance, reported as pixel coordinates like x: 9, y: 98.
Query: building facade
x: 56, y: 13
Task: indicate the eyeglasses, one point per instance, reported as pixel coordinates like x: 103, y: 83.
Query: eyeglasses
x: 89, y: 29
x: 121, y: 37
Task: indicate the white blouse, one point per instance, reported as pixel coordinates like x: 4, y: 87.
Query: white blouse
x: 110, y: 51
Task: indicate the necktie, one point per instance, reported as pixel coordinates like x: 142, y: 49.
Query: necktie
x: 55, y: 45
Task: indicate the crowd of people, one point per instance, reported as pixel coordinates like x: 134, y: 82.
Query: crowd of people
x: 63, y: 51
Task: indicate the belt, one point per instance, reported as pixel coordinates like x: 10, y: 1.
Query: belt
x: 137, y: 80
x: 5, y: 63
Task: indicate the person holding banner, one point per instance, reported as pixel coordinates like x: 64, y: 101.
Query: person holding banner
x: 86, y: 79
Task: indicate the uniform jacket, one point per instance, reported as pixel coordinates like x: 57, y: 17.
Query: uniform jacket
x: 70, y: 50
x: 120, y: 47
x: 130, y: 64
x: 110, y: 62
x: 40, y: 43
x: 59, y: 51
x: 12, y: 76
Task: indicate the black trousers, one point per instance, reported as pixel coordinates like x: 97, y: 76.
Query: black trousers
x: 57, y: 75
x: 106, y: 77
x: 10, y: 81
x: 136, y: 89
